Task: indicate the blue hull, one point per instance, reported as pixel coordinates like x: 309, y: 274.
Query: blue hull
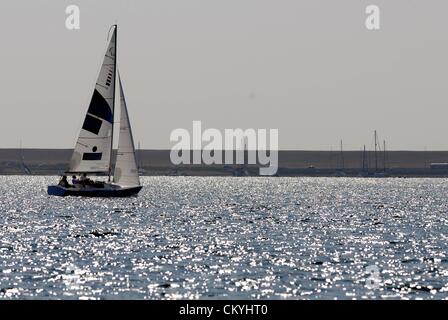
x: 93, y: 192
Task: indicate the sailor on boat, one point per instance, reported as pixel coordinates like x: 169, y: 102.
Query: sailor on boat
x: 84, y: 180
x: 63, y: 182
x: 75, y: 180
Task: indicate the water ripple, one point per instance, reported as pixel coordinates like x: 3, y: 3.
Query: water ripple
x: 193, y: 238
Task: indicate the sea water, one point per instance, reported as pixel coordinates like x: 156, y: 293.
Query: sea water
x: 227, y: 237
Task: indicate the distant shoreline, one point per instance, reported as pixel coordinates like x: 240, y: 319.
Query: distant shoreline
x: 291, y: 163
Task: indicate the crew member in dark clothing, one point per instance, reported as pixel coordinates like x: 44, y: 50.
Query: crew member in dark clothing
x: 63, y: 182
x: 75, y: 180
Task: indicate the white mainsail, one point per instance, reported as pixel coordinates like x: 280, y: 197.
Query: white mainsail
x: 126, y: 171
x: 92, y: 152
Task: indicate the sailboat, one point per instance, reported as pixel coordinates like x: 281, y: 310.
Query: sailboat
x: 92, y: 155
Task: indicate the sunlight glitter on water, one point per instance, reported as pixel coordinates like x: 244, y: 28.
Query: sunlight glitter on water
x: 216, y: 237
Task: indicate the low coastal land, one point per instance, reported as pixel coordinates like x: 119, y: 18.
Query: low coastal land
x: 290, y: 163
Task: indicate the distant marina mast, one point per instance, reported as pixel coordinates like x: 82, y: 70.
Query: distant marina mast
x: 364, y: 164
x: 376, y: 148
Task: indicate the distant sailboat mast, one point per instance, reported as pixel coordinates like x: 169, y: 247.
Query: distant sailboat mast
x: 376, y: 147
x: 364, y: 159
x: 342, y: 156
x: 25, y: 168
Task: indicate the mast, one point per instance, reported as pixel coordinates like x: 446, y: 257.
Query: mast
x: 246, y: 156
x: 364, y: 159
x: 333, y: 163
x: 342, y: 157
x: 21, y: 151
x: 384, y: 155
x: 361, y: 162
x: 113, y: 103
x: 23, y: 166
x: 376, y: 156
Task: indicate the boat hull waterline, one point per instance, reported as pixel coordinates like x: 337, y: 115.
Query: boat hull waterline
x: 107, y: 192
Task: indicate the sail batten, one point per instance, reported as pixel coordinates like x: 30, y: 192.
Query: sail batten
x: 126, y: 171
x: 92, y: 152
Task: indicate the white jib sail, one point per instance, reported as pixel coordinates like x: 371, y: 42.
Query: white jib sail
x: 126, y: 171
x: 93, y: 149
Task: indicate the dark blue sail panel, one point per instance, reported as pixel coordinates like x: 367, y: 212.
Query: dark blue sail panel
x: 92, y: 124
x: 100, y: 108
x: 92, y: 156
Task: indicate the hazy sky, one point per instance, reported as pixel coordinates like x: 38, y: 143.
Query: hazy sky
x: 307, y: 67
